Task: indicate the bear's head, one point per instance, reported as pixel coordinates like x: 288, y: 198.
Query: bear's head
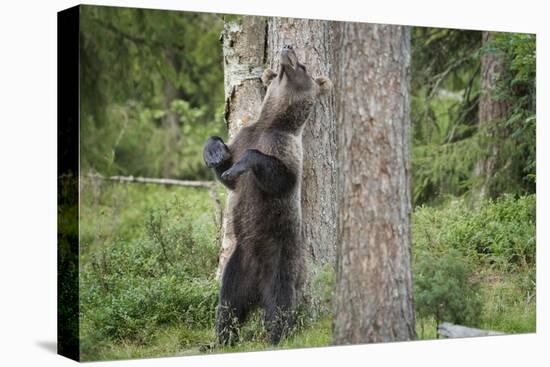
x: 292, y: 92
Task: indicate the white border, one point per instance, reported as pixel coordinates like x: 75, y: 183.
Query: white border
x: 28, y: 181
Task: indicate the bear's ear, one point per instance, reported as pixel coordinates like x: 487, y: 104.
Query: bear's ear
x: 268, y: 76
x: 324, y: 83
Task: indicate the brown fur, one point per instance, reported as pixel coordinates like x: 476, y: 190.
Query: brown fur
x: 263, y: 165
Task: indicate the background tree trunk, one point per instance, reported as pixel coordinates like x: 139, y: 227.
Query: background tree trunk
x: 492, y: 110
x: 313, y: 44
x: 243, y: 41
x: 373, y: 301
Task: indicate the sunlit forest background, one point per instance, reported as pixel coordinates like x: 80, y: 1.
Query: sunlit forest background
x: 152, y: 92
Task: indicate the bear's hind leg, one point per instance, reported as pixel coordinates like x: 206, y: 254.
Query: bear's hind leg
x: 227, y: 323
x: 236, y: 300
x: 278, y: 312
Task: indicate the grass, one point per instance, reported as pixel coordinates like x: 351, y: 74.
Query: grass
x: 139, y: 299
x: 496, y: 239
x: 178, y: 341
x: 167, y: 341
x: 149, y: 255
x: 111, y: 211
x: 506, y: 308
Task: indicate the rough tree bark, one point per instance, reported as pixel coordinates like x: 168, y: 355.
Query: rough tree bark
x: 373, y: 300
x: 492, y: 110
x: 243, y: 42
x: 313, y: 44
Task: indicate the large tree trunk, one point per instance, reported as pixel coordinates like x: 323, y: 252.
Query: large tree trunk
x: 244, y: 56
x: 312, y: 41
x: 492, y: 111
x: 374, y: 301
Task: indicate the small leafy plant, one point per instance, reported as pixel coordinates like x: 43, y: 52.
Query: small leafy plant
x: 446, y: 289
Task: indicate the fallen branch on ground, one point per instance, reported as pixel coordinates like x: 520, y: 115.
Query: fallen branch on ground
x: 210, y: 185
x: 158, y: 181
x: 449, y: 330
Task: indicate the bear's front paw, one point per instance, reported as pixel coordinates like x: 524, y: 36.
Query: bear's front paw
x: 234, y: 172
x: 215, y: 152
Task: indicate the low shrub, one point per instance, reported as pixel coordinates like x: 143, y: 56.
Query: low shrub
x: 165, y: 276
x: 445, y: 289
x: 475, y: 265
x: 500, y: 234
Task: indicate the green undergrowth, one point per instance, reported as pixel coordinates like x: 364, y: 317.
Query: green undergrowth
x: 148, y: 262
x: 147, y: 285
x: 475, y: 265
x: 149, y: 256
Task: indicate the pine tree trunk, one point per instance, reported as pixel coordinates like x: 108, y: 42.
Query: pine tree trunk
x: 492, y: 110
x: 373, y: 300
x: 313, y: 44
x: 244, y: 56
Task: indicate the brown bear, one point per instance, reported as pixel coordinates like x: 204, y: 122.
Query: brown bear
x: 263, y: 166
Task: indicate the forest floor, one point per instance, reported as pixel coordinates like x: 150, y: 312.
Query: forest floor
x: 137, y: 303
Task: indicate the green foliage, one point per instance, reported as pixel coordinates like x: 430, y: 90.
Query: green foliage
x: 147, y: 287
x: 475, y: 265
x: 498, y: 234
x: 147, y: 267
x: 447, y: 140
x: 444, y: 99
x: 516, y: 135
x: 318, y: 293
x: 149, y: 255
x: 135, y: 143
x: 442, y: 170
x: 510, y: 305
x: 116, y: 306
x: 151, y: 90
x: 444, y: 288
